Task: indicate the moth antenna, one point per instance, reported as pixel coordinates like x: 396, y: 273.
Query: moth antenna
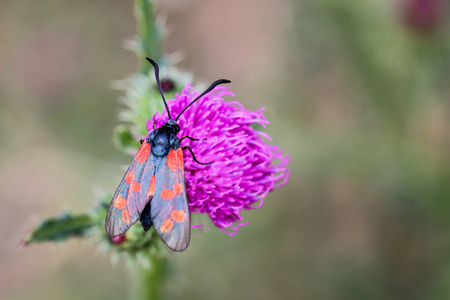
x: 211, y: 87
x: 155, y: 65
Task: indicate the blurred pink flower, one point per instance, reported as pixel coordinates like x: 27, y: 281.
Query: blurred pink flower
x: 423, y: 15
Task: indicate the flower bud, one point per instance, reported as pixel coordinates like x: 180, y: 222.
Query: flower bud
x: 422, y: 16
x: 118, y: 239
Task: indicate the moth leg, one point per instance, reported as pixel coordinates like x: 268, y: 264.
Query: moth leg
x: 154, y: 123
x: 191, y: 138
x: 193, y: 156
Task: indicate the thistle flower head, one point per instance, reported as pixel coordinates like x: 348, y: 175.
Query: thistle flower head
x: 242, y: 170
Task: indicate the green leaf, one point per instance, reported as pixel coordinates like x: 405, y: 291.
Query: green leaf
x: 60, y: 228
x: 123, y: 138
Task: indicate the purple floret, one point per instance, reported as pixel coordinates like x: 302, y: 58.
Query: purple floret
x: 243, y: 169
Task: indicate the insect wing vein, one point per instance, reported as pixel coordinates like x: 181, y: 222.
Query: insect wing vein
x: 126, y: 205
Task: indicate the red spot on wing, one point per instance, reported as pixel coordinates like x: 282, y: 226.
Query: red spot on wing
x: 120, y: 202
x: 129, y: 177
x: 126, y: 216
x: 167, y: 194
x: 172, y: 160
x: 151, y: 189
x: 144, y: 152
x: 135, y: 187
x: 180, y: 158
x: 178, y: 216
x: 178, y: 188
x: 166, y: 226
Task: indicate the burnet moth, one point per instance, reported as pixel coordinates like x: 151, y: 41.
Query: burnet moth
x: 153, y: 189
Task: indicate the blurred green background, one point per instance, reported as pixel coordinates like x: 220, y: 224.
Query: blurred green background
x: 356, y: 91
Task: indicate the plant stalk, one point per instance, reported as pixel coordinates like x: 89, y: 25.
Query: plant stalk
x: 149, y: 34
x: 150, y: 282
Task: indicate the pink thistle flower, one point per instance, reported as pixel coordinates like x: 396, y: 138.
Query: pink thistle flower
x: 243, y: 169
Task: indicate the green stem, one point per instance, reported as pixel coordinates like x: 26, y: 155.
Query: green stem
x: 149, y: 34
x: 149, y: 283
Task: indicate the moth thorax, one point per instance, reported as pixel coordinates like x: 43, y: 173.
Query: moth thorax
x: 161, y: 143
